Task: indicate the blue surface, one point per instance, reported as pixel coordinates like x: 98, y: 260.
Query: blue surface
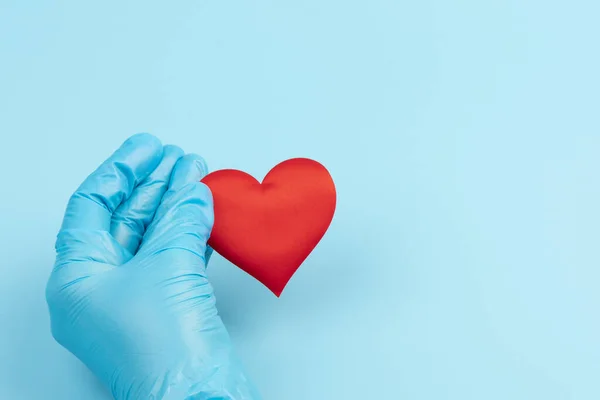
x: 464, y: 138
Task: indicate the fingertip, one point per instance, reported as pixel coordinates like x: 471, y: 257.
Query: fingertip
x: 141, y: 151
x: 200, y: 166
x: 171, y: 155
x: 170, y: 150
x: 144, y: 145
x: 209, y: 194
x: 145, y: 139
x: 189, y: 168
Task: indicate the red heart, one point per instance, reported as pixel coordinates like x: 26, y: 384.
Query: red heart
x: 269, y: 229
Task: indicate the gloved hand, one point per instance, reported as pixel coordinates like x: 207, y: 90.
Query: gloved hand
x: 128, y: 294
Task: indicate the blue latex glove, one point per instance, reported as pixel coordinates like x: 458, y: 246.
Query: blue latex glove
x: 128, y: 294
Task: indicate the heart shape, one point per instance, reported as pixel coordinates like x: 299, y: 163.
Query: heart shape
x: 269, y: 229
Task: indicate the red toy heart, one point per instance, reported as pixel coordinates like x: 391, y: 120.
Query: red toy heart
x: 269, y: 229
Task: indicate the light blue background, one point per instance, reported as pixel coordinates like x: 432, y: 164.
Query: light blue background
x: 464, y: 139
